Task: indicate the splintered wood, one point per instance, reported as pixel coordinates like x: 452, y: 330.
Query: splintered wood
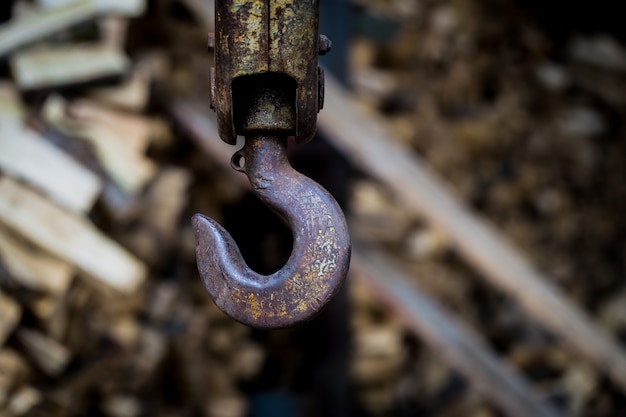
x: 68, y: 236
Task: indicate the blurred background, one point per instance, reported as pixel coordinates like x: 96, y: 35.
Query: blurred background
x: 476, y: 147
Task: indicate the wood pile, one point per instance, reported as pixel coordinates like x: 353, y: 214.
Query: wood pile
x: 107, y: 146
x: 498, y: 105
x: 100, y: 304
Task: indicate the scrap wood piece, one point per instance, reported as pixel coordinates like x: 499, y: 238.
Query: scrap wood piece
x: 68, y: 236
x: 49, y: 21
x: 126, y: 8
x: 26, y: 155
x: 32, y: 267
x: 136, y: 131
x: 447, y: 336
x: 51, y: 356
x: 49, y: 66
x: 162, y: 205
x: 118, y: 405
x: 365, y: 141
x: 39, y: 25
x: 229, y: 405
x: 119, y: 140
x: 13, y: 372
x: 150, y: 352
x: 10, y: 314
x: 132, y: 94
x: 53, y: 313
x: 11, y: 107
x: 165, y: 201
x: 23, y: 400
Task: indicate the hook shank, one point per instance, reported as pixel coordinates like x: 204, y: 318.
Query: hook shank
x: 321, y: 249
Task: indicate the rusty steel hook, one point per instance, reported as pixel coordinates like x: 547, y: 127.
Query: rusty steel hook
x: 321, y: 246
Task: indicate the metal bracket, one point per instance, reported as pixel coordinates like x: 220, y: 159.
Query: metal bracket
x: 266, y: 79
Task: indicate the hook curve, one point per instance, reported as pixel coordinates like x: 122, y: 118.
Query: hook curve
x: 321, y: 246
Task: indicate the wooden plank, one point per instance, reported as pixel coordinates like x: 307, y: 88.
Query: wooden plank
x: 39, y: 25
x: 58, y: 16
x: 68, y: 236
x: 50, y: 66
x: 32, y: 267
x: 127, y: 8
x: 10, y: 314
x: 447, y: 336
x: 364, y: 140
x: 26, y: 155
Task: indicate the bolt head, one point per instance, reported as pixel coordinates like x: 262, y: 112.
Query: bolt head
x: 325, y: 45
x: 211, y: 41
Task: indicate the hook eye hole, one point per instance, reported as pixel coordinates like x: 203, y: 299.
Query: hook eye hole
x: 238, y: 162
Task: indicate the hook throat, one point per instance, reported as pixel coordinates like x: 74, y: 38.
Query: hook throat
x: 320, y: 256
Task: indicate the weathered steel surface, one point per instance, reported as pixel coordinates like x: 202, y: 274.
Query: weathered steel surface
x: 255, y: 38
x: 293, y: 50
x: 321, y: 251
x: 267, y: 86
x: 241, y: 48
x: 265, y: 104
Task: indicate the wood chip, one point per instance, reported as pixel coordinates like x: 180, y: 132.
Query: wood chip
x: 23, y: 400
x: 68, y: 236
x: 50, y: 355
x: 230, y: 406
x: 26, y: 155
x: 10, y: 313
x: 121, y: 406
x: 11, y: 108
x: 32, y: 267
x: 163, y: 205
x: 13, y: 371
